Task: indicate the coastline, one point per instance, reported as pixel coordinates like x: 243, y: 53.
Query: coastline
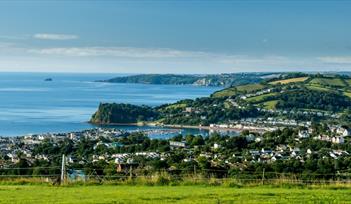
x: 258, y: 130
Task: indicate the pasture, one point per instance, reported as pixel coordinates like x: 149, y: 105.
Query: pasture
x: 171, y: 194
x: 287, y: 81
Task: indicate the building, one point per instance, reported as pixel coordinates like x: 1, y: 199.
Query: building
x: 304, y: 134
x: 177, y: 144
x: 338, y: 140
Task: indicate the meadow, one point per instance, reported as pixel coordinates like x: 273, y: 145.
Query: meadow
x: 287, y: 81
x: 170, y: 194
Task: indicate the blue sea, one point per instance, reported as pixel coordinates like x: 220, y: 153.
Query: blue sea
x: 31, y: 105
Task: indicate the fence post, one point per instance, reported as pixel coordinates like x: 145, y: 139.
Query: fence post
x: 63, y: 169
x: 263, y: 176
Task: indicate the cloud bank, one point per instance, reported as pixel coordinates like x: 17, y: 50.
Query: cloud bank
x: 130, y: 52
x: 53, y: 36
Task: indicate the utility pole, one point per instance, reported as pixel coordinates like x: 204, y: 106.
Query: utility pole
x: 63, y: 169
x: 194, y: 170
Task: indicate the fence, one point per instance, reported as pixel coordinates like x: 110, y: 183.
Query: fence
x: 59, y: 174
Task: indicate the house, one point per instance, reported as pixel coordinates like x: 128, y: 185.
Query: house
x: 281, y: 148
x: 343, y: 131
x: 216, y: 146
x: 323, y: 138
x: 189, y: 109
x: 347, y: 132
x: 177, y: 144
x: 250, y: 138
x: 338, y: 140
x: 266, y: 151
x: 303, y: 134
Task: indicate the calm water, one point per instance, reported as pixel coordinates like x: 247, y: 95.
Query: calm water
x: 28, y: 104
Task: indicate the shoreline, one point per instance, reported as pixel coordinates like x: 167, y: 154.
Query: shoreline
x: 257, y: 130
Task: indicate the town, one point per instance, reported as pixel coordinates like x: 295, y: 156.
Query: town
x: 314, y: 150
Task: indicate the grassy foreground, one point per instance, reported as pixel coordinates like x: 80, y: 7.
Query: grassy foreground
x: 170, y: 194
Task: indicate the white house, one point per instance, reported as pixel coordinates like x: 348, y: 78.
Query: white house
x: 338, y: 140
x: 343, y: 131
x: 304, y: 134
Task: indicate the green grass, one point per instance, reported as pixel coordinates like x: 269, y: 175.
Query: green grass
x: 176, y: 106
x: 225, y: 92
x: 329, y: 82
x: 238, y: 89
x: 257, y: 99
x: 348, y: 94
x: 171, y: 194
x: 250, y: 87
x: 287, y: 81
x: 270, y: 105
x: 316, y: 87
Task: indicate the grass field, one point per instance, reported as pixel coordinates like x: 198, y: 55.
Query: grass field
x: 250, y: 87
x: 257, y: 99
x: 176, y: 106
x: 270, y: 105
x: 316, y: 87
x: 224, y: 93
x: 348, y: 94
x: 292, y: 80
x: 329, y: 82
x: 234, y: 90
x: 170, y: 194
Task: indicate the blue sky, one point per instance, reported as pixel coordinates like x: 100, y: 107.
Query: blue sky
x: 175, y: 36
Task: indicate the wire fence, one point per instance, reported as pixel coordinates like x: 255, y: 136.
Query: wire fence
x: 54, y: 174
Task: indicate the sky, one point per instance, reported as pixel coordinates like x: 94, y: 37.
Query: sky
x: 175, y: 36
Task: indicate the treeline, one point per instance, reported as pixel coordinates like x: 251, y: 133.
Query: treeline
x: 306, y: 99
x: 122, y: 113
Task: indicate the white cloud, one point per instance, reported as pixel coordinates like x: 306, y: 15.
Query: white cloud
x: 53, y: 36
x: 158, y: 60
x: 9, y: 37
x: 245, y: 59
x: 129, y: 52
x: 336, y: 59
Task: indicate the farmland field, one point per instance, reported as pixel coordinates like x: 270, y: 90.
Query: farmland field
x: 270, y: 105
x: 170, y: 194
x: 249, y: 87
x: 347, y: 94
x: 287, y: 81
x: 257, y: 99
x: 317, y: 88
x: 234, y: 90
x: 329, y: 82
x: 225, y: 92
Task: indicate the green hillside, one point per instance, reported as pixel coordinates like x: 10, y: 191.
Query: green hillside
x: 299, y: 96
x: 327, y: 93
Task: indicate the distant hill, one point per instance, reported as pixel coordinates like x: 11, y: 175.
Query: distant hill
x: 200, y: 80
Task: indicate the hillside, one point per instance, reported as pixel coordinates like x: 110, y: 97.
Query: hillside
x: 313, y: 92
x: 200, y: 80
x: 298, y: 96
x: 122, y: 113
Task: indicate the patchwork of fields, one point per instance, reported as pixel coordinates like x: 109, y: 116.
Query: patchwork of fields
x: 170, y: 194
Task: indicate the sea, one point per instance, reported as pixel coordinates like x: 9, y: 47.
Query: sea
x: 30, y: 103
